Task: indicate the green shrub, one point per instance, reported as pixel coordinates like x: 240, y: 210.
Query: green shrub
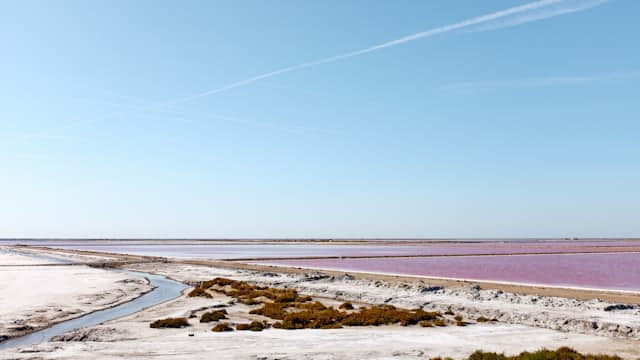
x: 169, y: 323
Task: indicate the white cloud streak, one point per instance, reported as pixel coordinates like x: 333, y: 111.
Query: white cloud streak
x: 550, y: 81
x: 514, y: 16
x: 563, y: 8
x: 518, y: 15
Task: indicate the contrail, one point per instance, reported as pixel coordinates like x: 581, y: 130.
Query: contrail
x: 417, y: 36
x: 546, y: 13
x: 475, y: 86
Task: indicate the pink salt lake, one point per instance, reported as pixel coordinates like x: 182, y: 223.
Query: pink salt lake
x: 614, y: 271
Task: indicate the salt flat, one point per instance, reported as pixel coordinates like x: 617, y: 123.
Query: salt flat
x: 33, y: 297
x: 387, y: 342
x: 131, y: 337
x: 524, y: 321
x: 8, y: 258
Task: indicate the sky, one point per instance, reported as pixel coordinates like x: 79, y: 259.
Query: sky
x: 319, y: 119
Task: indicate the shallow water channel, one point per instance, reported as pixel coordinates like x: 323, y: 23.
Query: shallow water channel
x: 164, y: 290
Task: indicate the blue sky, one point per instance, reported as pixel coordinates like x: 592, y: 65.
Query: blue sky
x: 386, y: 119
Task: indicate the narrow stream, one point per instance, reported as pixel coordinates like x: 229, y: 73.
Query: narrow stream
x: 165, y: 289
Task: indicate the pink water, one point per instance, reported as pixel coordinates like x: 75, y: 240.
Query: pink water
x: 293, y: 250
x: 618, y: 271
x: 561, y: 266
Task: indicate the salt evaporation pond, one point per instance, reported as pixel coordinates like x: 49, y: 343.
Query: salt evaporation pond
x: 615, y: 271
x: 323, y: 249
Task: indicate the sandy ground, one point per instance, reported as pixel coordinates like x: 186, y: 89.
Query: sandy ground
x: 36, y: 296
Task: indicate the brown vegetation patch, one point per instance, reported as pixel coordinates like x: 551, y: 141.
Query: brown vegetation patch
x: 311, y: 319
x: 330, y: 318
x: 346, y: 306
x: 271, y: 310
x: 253, y: 326
x: 298, y: 312
x: 440, y: 322
x: 199, y: 292
x: 222, y: 327
x: 388, y: 314
x: 563, y: 353
x: 213, y: 316
x: 449, y: 311
x: 483, y: 319
x: 316, y: 306
x: 169, y: 323
x: 249, y: 294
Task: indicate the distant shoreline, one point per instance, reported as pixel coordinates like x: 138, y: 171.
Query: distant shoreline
x: 524, y: 288
x: 328, y: 240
